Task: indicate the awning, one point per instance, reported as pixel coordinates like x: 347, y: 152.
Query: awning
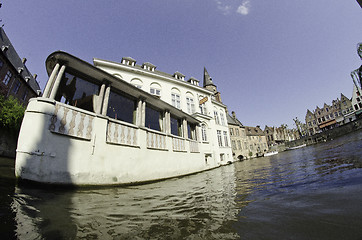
x: 326, y: 124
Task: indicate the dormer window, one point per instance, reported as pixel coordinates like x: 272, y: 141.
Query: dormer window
x: 148, y: 66
x: 4, y: 48
x: 194, y: 81
x: 179, y: 76
x: 20, y: 69
x: 129, y: 61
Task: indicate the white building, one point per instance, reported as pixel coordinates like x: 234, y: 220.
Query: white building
x: 357, y: 100
x: 203, y: 103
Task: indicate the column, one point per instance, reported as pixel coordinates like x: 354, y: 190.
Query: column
x: 54, y: 90
x: 50, y: 82
x: 105, y: 101
x: 100, y: 99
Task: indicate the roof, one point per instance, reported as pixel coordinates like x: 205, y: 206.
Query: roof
x: 254, y: 131
x: 98, y: 62
x: 207, y: 78
x: 233, y: 121
x: 77, y: 65
x: 13, y: 57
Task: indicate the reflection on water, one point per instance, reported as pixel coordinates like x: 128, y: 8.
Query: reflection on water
x: 309, y: 193
x: 202, y: 206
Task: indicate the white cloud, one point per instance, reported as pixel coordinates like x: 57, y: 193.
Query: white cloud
x: 244, y: 7
x: 224, y: 8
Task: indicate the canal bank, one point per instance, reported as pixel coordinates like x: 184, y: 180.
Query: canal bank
x: 8, y: 142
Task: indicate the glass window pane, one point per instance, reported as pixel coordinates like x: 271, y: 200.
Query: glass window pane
x: 121, y: 107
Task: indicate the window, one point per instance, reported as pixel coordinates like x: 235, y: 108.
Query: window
x: 16, y: 86
x: 226, y: 139
x: 153, y: 119
x: 202, y: 105
x: 233, y: 145
x: 190, y: 105
x: 358, y: 100
x: 203, y: 133
x: 336, y: 114
x: 25, y: 95
x: 237, y: 131
x: 356, y: 107
x: 176, y: 126
x: 121, y: 107
x: 175, y: 99
x: 1, y: 64
x: 219, y: 138
x: 222, y: 118
x: 191, y: 131
x: 216, y: 115
x: 77, y: 92
x: 136, y: 82
x: 7, y: 78
x: 231, y: 132
x: 155, y: 89
x: 239, y: 145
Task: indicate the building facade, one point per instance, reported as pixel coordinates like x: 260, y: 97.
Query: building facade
x: 15, y: 78
x: 239, y: 140
x: 201, y: 102
x: 257, y: 143
x: 341, y: 111
x: 357, y: 100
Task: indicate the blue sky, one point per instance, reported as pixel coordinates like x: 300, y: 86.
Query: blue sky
x: 271, y: 60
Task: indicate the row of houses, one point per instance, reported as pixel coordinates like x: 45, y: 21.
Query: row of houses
x: 342, y: 110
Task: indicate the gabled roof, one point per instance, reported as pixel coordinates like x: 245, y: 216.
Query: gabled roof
x: 10, y: 53
x: 254, y: 131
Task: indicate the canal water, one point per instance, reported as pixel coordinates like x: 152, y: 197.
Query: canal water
x: 313, y: 192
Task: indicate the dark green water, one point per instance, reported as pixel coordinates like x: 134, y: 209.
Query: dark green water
x: 309, y: 193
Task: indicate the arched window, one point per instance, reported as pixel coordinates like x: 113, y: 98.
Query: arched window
x: 190, y: 103
x: 204, y: 132
x: 175, y: 98
x: 137, y: 82
x: 202, y: 104
x: 155, y: 89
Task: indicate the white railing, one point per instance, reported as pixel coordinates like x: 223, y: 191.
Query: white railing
x: 123, y: 134
x: 178, y: 144
x: 156, y: 140
x: 68, y: 121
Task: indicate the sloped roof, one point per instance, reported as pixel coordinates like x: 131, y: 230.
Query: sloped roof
x: 13, y: 57
x: 254, y: 131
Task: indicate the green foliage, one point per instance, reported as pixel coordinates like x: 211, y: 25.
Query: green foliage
x: 11, y: 113
x: 250, y: 154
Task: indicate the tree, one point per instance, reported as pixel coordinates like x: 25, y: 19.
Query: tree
x: 11, y: 113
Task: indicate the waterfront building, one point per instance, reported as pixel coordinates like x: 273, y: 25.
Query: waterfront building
x: 357, y: 101
x: 280, y: 135
x: 348, y: 114
x: 257, y: 143
x: 15, y: 78
x: 341, y: 111
x: 239, y: 140
x: 201, y: 102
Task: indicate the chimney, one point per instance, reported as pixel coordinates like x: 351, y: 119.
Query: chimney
x: 233, y: 114
x: 24, y: 60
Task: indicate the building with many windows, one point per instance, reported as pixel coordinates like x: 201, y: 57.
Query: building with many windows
x: 15, y: 78
x: 340, y: 112
x: 246, y: 142
x: 201, y: 102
